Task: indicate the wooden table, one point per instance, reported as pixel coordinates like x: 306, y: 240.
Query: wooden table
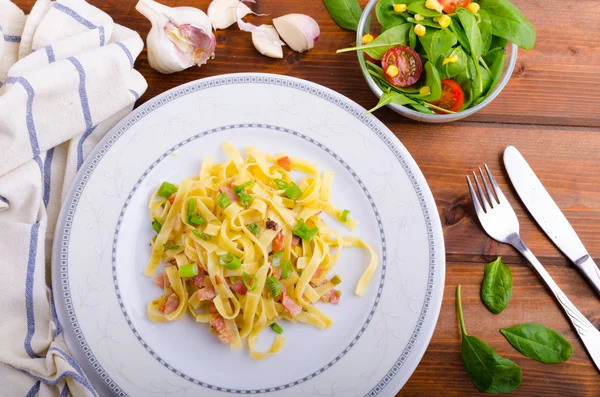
x: 550, y: 110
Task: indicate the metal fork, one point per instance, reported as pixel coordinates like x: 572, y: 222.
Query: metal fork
x: 500, y: 222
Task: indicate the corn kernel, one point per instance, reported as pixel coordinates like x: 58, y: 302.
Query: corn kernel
x: 392, y: 71
x: 452, y: 59
x: 400, y: 7
x: 445, y: 21
x: 473, y: 7
x: 419, y: 17
x: 367, y: 39
x: 434, y: 5
x: 436, y: 19
x: 420, y: 30
x: 425, y: 90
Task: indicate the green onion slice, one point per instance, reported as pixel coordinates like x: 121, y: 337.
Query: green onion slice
x: 275, y: 327
x: 276, y: 259
x: 301, y: 230
x: 293, y: 192
x: 274, y: 286
x: 166, y: 190
x: 203, y: 236
x: 281, y: 184
x: 253, y: 228
x: 344, y: 216
x: 239, y: 189
x: 171, y: 247
x: 286, y: 267
x: 190, y: 270
x: 156, y: 225
x: 223, y: 201
x: 245, y: 199
x: 336, y: 280
x: 249, y: 281
x: 230, y: 261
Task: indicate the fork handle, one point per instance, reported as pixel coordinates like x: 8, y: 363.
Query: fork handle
x: 588, y: 334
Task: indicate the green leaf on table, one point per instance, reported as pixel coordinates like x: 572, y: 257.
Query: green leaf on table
x: 496, y: 288
x: 490, y: 372
x: 509, y: 22
x: 346, y: 13
x: 392, y: 97
x: 485, y: 27
x: 418, y: 7
x: 437, y: 43
x: 396, y: 36
x: 539, y: 342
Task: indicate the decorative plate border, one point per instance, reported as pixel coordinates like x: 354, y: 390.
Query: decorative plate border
x: 213, y: 131
x: 62, y: 235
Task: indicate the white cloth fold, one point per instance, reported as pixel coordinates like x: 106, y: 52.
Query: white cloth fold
x: 66, y: 77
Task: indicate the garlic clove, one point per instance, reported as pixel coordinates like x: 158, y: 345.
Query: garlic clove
x: 299, y: 31
x: 266, y: 40
x: 224, y: 13
x: 180, y: 37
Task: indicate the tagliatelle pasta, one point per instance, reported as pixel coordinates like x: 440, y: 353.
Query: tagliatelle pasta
x: 244, y: 247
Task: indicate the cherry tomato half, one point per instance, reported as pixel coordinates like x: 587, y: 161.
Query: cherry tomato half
x: 408, y: 63
x: 367, y: 57
x: 450, y: 6
x: 452, y: 97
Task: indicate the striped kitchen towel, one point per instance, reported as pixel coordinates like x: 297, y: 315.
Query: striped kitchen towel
x: 66, y: 77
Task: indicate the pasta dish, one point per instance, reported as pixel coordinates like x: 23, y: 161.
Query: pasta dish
x: 244, y: 247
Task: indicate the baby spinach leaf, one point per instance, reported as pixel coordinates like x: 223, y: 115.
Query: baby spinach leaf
x: 496, y: 287
x: 346, y: 13
x: 509, y: 22
x: 391, y: 97
x: 458, y: 30
x: 386, y: 15
x: 497, y: 42
x: 419, y: 8
x: 398, y: 35
x: 433, y: 81
x: 495, y: 61
x: 425, y: 22
x: 421, y: 108
x: 538, y: 342
x: 437, y: 43
x: 485, y: 27
x: 412, y: 38
x: 458, y: 67
x: 473, y: 34
x: 489, y: 371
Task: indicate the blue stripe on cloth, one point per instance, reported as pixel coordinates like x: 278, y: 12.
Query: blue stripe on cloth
x: 73, y: 14
x: 65, y: 391
x: 135, y: 94
x: 53, y: 313
x: 67, y: 357
x: 126, y: 50
x: 60, y: 379
x: 102, y: 38
x: 33, y: 242
x: 34, y: 390
x: 48, y: 175
x: 50, y: 54
x: 12, y: 39
x: 87, y: 116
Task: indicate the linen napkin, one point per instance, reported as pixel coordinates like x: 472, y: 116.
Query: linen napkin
x: 66, y: 77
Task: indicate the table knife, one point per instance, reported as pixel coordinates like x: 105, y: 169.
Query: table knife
x: 547, y: 214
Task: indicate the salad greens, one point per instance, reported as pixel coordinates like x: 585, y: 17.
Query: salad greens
x: 461, y: 51
x: 496, y: 287
x: 346, y: 13
x: 538, y: 342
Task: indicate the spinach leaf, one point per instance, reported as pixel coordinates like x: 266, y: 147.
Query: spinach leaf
x: 489, y: 371
x: 386, y: 15
x: 391, y: 97
x: 438, y: 43
x: 419, y: 8
x: 457, y: 29
x: 433, y: 81
x: 412, y: 38
x: 509, y: 22
x: 495, y: 60
x: 458, y: 67
x: 346, y: 13
x: 538, y: 342
x: 485, y: 27
x: 497, y: 42
x: 425, y: 22
x: 398, y: 35
x: 469, y: 23
x: 377, y: 73
x: 496, y: 287
x: 421, y: 108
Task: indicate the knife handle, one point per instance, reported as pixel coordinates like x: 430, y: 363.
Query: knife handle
x: 590, y: 270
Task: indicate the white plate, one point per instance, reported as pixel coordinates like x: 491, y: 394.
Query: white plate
x: 101, y: 247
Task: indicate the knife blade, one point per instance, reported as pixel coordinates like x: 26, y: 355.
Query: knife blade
x: 544, y: 210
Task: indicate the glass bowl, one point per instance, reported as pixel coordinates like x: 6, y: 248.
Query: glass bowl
x: 364, y: 27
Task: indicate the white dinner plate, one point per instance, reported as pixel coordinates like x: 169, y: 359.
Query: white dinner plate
x: 101, y: 247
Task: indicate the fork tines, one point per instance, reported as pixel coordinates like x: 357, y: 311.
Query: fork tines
x: 489, y: 200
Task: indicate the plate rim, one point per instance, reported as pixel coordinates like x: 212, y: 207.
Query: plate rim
x: 350, y: 106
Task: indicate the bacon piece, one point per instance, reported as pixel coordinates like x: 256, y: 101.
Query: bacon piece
x: 285, y: 163
x: 289, y: 304
x: 239, y: 287
x: 206, y: 294
x: 332, y: 296
x: 277, y: 243
x: 276, y: 273
x: 212, y: 309
x: 172, y: 198
x: 295, y: 240
x: 271, y: 224
x: 198, y: 281
x: 217, y: 323
x: 162, y: 281
x: 229, y: 192
x: 171, y: 303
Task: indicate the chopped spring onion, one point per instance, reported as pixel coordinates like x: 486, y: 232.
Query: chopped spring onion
x: 302, y: 231
x: 276, y: 259
x: 293, y: 192
x: 336, y: 280
x: 193, y: 217
x: 190, y: 270
x: 230, y: 261
x: 344, y: 216
x: 253, y: 228
x: 171, y: 247
x: 281, y: 184
x: 286, y: 267
x: 156, y: 225
x: 223, y: 201
x: 275, y: 327
x: 249, y: 281
x: 239, y: 189
x: 245, y: 199
x: 274, y: 286
x: 166, y: 190
x: 203, y: 236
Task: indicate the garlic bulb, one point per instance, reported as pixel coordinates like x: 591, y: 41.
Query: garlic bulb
x: 180, y: 37
x: 299, y: 31
x: 224, y: 13
x: 266, y: 40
